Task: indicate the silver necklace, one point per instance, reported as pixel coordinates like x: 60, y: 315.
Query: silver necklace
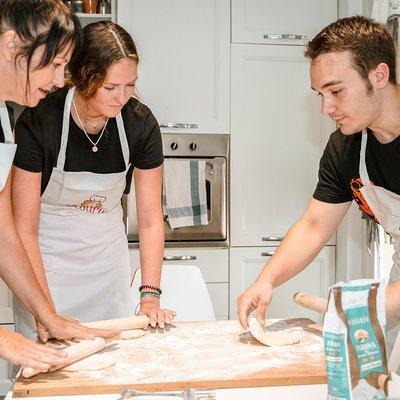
x: 94, y: 148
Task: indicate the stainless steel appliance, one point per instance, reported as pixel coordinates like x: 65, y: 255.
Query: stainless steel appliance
x: 214, y: 149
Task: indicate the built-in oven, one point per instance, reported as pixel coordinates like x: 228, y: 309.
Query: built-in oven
x: 214, y: 150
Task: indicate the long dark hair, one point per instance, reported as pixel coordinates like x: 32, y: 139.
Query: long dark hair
x: 48, y: 23
x: 104, y: 44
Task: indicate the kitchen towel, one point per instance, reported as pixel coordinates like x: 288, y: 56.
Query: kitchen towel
x: 385, y: 10
x: 184, y: 192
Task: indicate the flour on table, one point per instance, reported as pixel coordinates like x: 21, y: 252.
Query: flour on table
x: 94, y: 362
x: 270, y: 338
x: 131, y: 334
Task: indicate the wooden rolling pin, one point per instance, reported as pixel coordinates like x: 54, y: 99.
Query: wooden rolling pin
x: 311, y: 302
x: 75, y: 352
x: 120, y: 324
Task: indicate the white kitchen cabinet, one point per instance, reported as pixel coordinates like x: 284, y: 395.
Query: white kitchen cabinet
x: 247, y: 263
x: 291, y: 22
x: 277, y: 138
x: 213, y: 264
x: 6, y: 368
x: 6, y: 311
x: 184, y: 50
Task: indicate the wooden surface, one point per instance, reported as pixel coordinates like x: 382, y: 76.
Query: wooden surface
x: 195, y: 355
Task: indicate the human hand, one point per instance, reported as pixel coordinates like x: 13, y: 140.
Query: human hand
x: 62, y: 327
x: 151, y: 308
x: 21, y: 351
x: 257, y: 297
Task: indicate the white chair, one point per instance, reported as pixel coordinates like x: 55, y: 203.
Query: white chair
x: 183, y: 290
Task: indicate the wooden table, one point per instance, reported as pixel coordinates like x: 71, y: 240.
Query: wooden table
x: 199, y: 355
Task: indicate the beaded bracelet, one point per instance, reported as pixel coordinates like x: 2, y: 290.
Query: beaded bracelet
x: 157, y: 289
x: 149, y: 294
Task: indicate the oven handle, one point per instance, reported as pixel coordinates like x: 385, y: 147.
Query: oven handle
x: 179, y: 258
x: 179, y: 125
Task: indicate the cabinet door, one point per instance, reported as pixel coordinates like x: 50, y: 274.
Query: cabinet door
x: 213, y: 264
x: 280, y: 22
x: 6, y: 312
x: 6, y: 369
x: 247, y: 263
x: 277, y: 139
x: 184, y: 50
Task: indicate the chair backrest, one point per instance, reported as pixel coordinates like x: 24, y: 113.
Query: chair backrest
x: 184, y: 291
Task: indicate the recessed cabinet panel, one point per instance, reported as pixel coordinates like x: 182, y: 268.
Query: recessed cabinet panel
x: 247, y: 263
x: 184, y: 49
x: 291, y: 22
x: 277, y: 139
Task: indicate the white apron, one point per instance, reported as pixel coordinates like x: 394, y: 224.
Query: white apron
x: 82, y: 239
x: 8, y: 148
x: 386, y: 207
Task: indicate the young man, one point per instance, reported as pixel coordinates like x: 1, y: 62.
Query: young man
x: 353, y: 69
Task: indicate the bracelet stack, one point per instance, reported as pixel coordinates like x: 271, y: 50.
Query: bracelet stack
x: 153, y: 292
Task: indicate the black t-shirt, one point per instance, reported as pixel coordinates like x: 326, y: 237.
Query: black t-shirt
x: 38, y: 135
x: 339, y: 176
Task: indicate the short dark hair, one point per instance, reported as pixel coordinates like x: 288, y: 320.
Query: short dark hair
x: 48, y: 23
x: 368, y: 42
x: 104, y: 44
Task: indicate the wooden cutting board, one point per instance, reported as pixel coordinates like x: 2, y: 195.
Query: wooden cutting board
x: 201, y: 355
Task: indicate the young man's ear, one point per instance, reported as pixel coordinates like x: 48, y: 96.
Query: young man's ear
x: 379, y: 76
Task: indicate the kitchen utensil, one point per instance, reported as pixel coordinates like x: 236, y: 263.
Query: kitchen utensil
x: 75, y: 352
x: 120, y: 324
x: 90, y: 6
x: 311, y: 302
x: 104, y: 7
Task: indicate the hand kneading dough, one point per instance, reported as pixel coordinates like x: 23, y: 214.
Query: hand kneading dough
x: 132, y: 334
x: 91, y: 363
x: 270, y: 338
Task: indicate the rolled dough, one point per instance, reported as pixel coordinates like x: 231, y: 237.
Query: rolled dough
x: 132, y: 334
x: 270, y: 338
x: 91, y: 363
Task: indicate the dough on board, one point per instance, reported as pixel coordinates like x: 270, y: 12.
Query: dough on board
x: 132, y: 334
x: 94, y: 362
x: 270, y: 338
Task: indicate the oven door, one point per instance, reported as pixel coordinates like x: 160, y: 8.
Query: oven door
x: 215, y: 230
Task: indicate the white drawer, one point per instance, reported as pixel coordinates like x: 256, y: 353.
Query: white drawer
x: 219, y: 297
x: 213, y: 263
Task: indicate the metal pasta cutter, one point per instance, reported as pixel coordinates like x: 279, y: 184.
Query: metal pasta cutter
x: 189, y: 394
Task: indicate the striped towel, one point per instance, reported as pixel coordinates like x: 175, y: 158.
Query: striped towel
x: 184, y: 192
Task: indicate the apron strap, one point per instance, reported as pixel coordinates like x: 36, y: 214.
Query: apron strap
x: 363, y: 166
x: 5, y: 124
x: 123, y: 139
x: 65, y: 129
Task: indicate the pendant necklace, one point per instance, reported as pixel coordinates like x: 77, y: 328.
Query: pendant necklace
x: 94, y: 148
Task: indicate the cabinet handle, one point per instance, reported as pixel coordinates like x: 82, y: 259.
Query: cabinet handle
x: 179, y: 125
x: 284, y: 36
x: 179, y: 258
x: 272, y: 239
x: 267, y: 253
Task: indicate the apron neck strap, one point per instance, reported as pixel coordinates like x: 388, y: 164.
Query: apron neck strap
x: 65, y: 131
x: 363, y: 166
x: 5, y: 124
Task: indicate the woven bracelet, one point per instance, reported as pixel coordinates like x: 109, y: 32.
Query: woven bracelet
x: 149, y: 294
x: 157, y: 289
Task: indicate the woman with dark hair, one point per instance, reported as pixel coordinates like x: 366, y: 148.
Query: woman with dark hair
x: 78, y: 152
x: 37, y: 38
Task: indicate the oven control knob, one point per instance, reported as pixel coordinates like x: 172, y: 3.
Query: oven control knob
x: 193, y: 146
x: 174, y: 145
